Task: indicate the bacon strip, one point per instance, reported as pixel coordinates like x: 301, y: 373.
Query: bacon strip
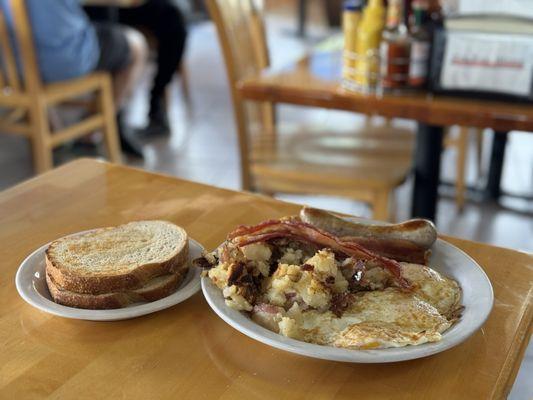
x: 248, y: 230
x: 298, y: 230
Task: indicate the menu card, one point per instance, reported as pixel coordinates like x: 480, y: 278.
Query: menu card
x: 497, y: 63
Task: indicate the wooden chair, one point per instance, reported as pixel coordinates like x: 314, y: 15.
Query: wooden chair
x: 366, y: 165
x: 26, y: 101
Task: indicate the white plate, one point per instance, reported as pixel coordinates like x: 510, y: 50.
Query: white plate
x: 446, y: 258
x: 31, y: 285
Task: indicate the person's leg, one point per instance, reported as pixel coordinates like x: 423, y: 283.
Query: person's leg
x: 125, y: 78
x: 165, y: 21
x: 123, y: 53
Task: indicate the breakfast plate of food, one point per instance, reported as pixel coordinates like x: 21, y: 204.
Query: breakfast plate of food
x: 113, y: 273
x: 346, y: 289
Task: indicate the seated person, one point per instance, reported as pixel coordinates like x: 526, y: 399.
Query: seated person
x: 68, y: 45
x: 163, y: 19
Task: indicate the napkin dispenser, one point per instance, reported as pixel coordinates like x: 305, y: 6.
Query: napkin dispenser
x: 495, y: 65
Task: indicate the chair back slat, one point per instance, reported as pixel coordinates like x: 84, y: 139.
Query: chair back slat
x: 21, y: 44
x: 9, y: 74
x: 241, y: 32
x: 237, y: 20
x: 24, y: 36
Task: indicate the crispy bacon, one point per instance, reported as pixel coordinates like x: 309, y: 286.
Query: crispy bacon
x: 340, y: 302
x: 354, y: 272
x: 250, y: 229
x: 300, y: 231
x: 203, y: 263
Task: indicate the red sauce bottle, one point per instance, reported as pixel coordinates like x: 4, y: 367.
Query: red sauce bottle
x: 395, y: 49
x: 420, y: 47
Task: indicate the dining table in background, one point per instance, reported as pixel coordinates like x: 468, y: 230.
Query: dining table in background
x: 187, y: 351
x: 315, y: 81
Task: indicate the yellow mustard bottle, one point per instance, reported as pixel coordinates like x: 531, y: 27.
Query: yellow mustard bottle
x: 367, y: 44
x: 350, y: 20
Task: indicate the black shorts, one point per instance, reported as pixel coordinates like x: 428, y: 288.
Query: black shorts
x: 114, y: 47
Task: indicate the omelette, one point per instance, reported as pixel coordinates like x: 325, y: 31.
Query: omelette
x: 318, y: 288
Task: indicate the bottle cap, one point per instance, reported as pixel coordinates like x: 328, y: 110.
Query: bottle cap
x: 353, y: 5
x: 375, y: 4
x: 420, y: 4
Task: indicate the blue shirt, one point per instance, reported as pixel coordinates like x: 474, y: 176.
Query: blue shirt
x: 65, y: 40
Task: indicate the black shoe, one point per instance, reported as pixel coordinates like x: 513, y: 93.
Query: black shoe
x: 127, y: 144
x: 130, y: 147
x: 158, y: 119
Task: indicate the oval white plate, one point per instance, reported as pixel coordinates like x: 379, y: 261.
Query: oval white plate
x: 31, y: 285
x: 446, y: 258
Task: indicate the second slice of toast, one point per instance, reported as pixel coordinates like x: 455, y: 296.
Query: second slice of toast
x: 155, y: 289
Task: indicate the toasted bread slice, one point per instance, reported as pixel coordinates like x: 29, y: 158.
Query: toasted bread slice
x: 155, y: 289
x: 116, y: 259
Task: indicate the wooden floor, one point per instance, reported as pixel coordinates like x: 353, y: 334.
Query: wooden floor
x: 203, y: 148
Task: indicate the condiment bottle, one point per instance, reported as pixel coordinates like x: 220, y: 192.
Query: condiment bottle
x: 367, y: 46
x: 435, y: 22
x: 395, y: 49
x: 420, y: 47
x: 350, y: 21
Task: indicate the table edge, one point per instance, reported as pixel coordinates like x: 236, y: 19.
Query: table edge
x: 510, y: 368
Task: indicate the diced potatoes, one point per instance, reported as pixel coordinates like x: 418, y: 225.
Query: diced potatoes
x: 258, y: 255
x: 324, y: 263
x: 257, y: 252
x: 291, y: 256
x: 288, y: 327
x: 219, y: 275
x: 235, y: 300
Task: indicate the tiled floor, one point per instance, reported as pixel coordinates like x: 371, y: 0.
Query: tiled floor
x: 203, y: 148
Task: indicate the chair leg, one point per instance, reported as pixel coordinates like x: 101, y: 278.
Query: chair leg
x: 42, y: 151
x: 107, y: 108
x: 462, y: 149
x: 479, y: 150
x: 381, y: 205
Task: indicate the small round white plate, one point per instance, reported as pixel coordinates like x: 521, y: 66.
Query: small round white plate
x: 31, y: 285
x: 446, y: 258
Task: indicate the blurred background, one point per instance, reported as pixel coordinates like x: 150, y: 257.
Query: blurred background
x: 203, y: 145
x: 152, y: 79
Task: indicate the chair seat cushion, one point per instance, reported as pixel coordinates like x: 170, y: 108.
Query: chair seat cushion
x: 333, y: 161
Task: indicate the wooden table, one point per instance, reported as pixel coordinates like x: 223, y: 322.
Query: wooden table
x: 314, y: 81
x: 187, y: 352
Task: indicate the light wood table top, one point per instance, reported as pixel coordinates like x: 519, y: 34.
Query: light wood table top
x: 187, y: 352
x: 315, y: 81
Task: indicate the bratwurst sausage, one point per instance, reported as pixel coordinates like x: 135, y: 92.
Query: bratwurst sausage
x: 419, y: 232
x: 408, y: 242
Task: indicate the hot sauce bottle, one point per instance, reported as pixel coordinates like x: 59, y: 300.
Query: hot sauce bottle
x: 395, y: 49
x: 420, y: 47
